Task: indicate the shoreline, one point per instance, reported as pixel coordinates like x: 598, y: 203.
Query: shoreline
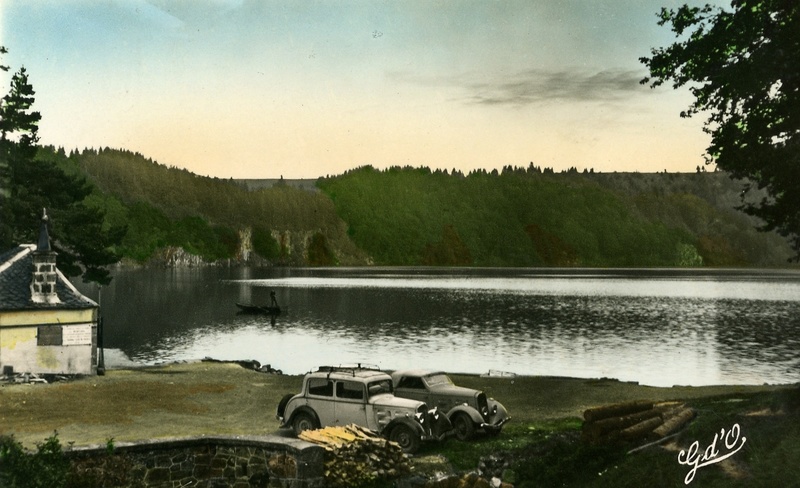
x: 116, y: 359
x: 222, y: 398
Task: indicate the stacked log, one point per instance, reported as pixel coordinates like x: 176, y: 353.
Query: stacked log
x: 355, y: 455
x: 674, y: 422
x: 634, y: 421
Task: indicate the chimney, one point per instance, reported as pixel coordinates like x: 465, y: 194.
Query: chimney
x: 43, y: 283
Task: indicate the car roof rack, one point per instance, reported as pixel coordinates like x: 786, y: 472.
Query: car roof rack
x: 349, y: 368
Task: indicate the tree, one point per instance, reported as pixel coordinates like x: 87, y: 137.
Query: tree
x: 742, y: 66
x: 29, y: 185
x: 18, y: 138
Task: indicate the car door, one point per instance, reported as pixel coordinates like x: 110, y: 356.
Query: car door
x: 320, y: 399
x: 351, y: 403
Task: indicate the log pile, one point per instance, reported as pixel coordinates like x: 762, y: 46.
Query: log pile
x: 634, y: 421
x: 355, y: 455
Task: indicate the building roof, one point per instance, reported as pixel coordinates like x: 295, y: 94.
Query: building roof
x: 16, y: 269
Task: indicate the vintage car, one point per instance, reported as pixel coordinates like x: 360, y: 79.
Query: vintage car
x: 469, y: 410
x: 363, y: 396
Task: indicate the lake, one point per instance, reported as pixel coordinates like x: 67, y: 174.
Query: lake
x: 653, y: 326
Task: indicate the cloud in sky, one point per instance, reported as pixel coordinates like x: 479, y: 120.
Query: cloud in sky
x: 263, y: 88
x: 562, y: 85
x: 537, y: 86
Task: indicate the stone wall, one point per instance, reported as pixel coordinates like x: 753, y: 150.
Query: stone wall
x: 237, y: 461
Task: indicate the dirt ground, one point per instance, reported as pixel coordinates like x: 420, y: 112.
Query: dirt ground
x: 197, y: 398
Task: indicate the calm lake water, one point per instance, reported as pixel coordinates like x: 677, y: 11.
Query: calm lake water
x: 657, y: 327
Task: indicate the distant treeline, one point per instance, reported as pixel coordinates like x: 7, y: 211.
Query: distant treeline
x: 412, y: 216
x: 170, y: 207
x: 533, y: 217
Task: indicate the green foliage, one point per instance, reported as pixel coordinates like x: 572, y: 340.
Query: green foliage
x: 49, y: 467
x: 265, y: 245
x: 703, y: 208
x: 197, y: 237
x: 148, y: 230
x: 688, y: 257
x: 17, y: 120
x: 406, y: 216
x: 159, y: 198
x: 32, y: 183
x: 740, y: 64
x: 110, y: 446
x: 45, y: 468
x: 3, y: 50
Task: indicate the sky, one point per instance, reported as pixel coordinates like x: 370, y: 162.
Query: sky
x: 301, y: 89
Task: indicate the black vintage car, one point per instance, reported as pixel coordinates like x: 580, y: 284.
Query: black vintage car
x: 469, y: 410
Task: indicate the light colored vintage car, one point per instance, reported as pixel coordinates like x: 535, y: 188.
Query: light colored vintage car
x: 363, y: 396
x: 469, y: 410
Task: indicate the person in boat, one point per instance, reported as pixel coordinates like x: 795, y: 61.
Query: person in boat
x: 273, y: 301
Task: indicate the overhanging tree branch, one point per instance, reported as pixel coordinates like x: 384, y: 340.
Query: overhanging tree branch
x: 742, y: 65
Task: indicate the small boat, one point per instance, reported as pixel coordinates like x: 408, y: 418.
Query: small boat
x: 493, y: 373
x: 253, y: 309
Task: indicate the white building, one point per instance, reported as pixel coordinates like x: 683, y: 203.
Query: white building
x: 46, y: 325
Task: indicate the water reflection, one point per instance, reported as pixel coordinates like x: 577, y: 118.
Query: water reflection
x: 659, y: 327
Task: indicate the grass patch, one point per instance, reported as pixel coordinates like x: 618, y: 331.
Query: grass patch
x: 465, y: 456
x: 550, y: 454
x: 541, y: 443
x: 537, y: 454
x: 102, y: 403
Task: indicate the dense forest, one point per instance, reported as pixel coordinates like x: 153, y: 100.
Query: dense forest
x: 534, y: 217
x: 415, y: 216
x: 167, y: 208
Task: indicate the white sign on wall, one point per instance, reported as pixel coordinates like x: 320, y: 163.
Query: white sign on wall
x: 77, y: 335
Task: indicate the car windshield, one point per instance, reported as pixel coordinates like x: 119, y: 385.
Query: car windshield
x: 438, y: 379
x: 378, y: 387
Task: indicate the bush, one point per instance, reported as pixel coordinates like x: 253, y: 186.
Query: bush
x: 45, y: 468
x: 49, y: 467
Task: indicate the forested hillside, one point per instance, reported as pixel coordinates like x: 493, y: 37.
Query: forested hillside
x: 166, y: 209
x: 530, y: 217
x: 412, y: 216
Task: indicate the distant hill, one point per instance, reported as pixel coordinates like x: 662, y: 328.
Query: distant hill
x: 260, y: 184
x: 177, y: 217
x: 534, y: 217
x: 415, y: 216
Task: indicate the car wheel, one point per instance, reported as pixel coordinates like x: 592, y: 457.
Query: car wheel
x: 405, y: 437
x: 304, y: 421
x: 463, y: 427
